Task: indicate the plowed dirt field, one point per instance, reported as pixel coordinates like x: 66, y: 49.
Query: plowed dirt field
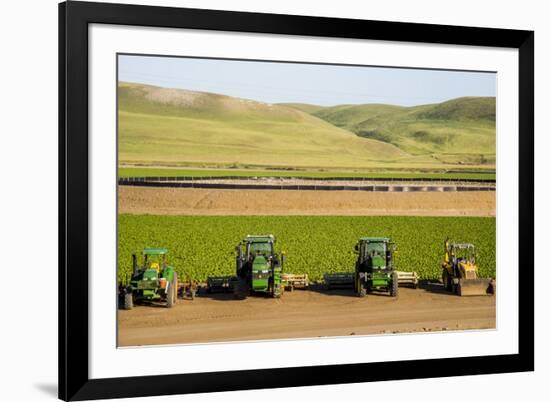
x: 187, y: 201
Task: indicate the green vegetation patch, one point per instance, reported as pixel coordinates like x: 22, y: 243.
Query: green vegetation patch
x: 200, y: 246
x: 168, y: 172
x: 459, y: 131
x: 176, y: 126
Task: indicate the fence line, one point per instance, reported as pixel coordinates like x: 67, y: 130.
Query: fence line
x: 254, y: 178
x: 149, y: 182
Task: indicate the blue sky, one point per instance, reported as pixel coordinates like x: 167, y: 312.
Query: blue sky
x: 317, y: 84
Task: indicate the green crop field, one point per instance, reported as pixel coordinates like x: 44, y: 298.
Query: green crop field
x: 163, y: 172
x: 200, y: 246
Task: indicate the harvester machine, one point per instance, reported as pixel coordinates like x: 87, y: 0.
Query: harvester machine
x: 460, y: 272
x: 259, y: 268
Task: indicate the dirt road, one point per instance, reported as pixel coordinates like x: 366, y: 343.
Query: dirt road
x: 187, y: 201
x: 297, y: 314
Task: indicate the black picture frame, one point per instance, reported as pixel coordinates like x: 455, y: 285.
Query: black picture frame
x: 74, y: 18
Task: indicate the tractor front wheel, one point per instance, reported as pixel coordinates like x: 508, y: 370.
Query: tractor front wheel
x: 394, y: 285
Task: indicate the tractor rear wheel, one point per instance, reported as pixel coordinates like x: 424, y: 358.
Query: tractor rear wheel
x: 447, y: 281
x: 240, y: 289
x: 175, y: 287
x: 394, y: 285
x: 128, y: 301
x: 360, y: 289
x: 171, y: 295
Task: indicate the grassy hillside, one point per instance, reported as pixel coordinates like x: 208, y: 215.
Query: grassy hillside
x: 179, y: 127
x: 459, y: 131
x: 304, y: 107
x: 161, y: 126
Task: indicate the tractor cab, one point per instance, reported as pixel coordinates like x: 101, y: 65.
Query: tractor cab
x: 154, y: 259
x: 258, y: 246
x: 375, y: 253
x: 463, y: 253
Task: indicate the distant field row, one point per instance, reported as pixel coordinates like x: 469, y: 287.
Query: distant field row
x: 164, y: 172
x: 200, y: 246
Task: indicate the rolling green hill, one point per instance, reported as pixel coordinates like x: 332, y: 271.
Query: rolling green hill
x: 161, y: 126
x: 461, y: 130
x: 168, y: 126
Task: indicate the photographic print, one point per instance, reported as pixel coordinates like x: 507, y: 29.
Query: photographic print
x: 262, y: 200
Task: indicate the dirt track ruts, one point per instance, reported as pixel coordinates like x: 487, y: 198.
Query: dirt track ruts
x: 187, y: 201
x: 304, y: 314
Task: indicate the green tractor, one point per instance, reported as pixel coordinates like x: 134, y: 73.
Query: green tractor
x: 374, y: 266
x: 259, y: 268
x: 154, y: 280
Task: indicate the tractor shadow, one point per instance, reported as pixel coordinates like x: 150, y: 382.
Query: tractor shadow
x: 341, y: 291
x: 220, y: 296
x: 226, y: 295
x: 433, y: 287
x: 155, y: 304
x: 336, y: 291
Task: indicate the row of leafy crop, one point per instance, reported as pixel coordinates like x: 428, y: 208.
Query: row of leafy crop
x: 163, y: 172
x: 200, y: 246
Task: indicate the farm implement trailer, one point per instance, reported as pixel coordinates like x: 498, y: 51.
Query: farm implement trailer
x: 220, y: 284
x: 225, y: 284
x: 345, y: 280
x: 295, y: 281
x: 154, y: 280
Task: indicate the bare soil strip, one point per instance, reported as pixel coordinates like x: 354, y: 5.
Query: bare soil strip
x: 187, y: 201
x: 299, y: 314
